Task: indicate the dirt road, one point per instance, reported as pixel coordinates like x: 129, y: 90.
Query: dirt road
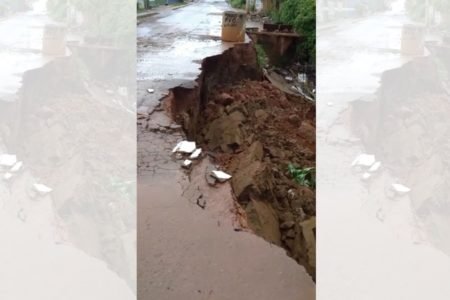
x: 184, y: 251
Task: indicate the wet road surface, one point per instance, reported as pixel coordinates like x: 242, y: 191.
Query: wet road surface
x: 365, y: 249
x: 185, y: 252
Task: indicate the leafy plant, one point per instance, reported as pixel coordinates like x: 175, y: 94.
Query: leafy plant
x: 261, y: 56
x: 238, y: 3
x: 303, y: 176
x: 302, y: 15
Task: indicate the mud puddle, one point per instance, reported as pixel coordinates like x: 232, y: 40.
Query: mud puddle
x: 253, y: 131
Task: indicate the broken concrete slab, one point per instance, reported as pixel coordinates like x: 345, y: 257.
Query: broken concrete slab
x: 185, y: 147
x: 221, y: 176
x: 8, y: 160
x: 196, y: 154
x: 42, y: 189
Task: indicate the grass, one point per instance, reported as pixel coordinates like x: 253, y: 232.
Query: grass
x: 303, y: 176
x: 261, y: 56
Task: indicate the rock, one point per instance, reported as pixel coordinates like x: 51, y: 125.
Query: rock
x: 263, y: 220
x: 42, y: 189
x: 290, y: 234
x: 294, y: 120
x: 220, y: 175
x: 224, y: 99
x: 261, y: 114
x: 187, y: 164
x: 7, y: 160
x: 365, y: 160
x: 287, y: 225
x: 185, y: 147
x: 17, y: 167
x: 196, y: 154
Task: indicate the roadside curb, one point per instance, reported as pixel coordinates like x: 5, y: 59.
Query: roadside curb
x: 146, y: 14
x: 152, y: 13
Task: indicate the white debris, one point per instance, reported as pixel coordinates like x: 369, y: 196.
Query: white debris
x: 17, y: 167
x: 7, y: 176
x: 289, y: 78
x: 185, y: 147
x: 123, y: 91
x: 196, y: 153
x: 375, y: 167
x: 7, y: 160
x: 42, y: 189
x: 330, y: 103
x: 220, y: 176
x: 365, y: 160
x: 187, y: 164
x: 400, y: 188
x: 151, y: 91
x: 366, y: 176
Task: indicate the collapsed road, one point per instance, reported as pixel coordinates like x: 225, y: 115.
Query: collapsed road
x: 185, y: 251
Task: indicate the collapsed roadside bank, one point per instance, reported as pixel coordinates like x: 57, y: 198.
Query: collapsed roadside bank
x: 405, y: 126
x: 255, y: 132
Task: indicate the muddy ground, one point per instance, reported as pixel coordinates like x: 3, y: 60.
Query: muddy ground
x: 253, y: 131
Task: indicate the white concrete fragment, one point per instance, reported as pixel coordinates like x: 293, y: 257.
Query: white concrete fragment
x: 17, y: 167
x: 220, y: 176
x: 7, y: 160
x: 7, y: 176
x: 151, y: 91
x: 187, y: 164
x: 288, y: 78
x: 185, y: 147
x: 196, y: 153
x: 375, y: 167
x: 366, y: 176
x: 365, y: 160
x: 42, y: 189
x: 400, y: 188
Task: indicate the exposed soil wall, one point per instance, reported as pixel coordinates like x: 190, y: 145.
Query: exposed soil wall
x: 406, y: 127
x: 253, y: 130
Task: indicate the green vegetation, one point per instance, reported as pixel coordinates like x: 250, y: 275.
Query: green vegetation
x: 261, y: 56
x: 417, y: 8
x: 304, y: 177
x: 110, y: 19
x: 238, y: 3
x: 302, y: 15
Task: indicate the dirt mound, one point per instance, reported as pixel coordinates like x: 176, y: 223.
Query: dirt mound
x: 256, y: 131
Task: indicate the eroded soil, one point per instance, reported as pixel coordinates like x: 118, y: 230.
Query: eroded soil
x: 254, y: 131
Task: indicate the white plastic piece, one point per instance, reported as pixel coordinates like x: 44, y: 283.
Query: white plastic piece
x: 185, y: 147
x: 366, y: 176
x: 375, y: 167
x: 42, y: 189
x: 196, y: 153
x: 17, y: 167
x: 221, y: 176
x: 151, y: 91
x: 187, y: 164
x: 8, y: 160
x: 365, y: 160
x: 7, y: 176
x: 400, y: 188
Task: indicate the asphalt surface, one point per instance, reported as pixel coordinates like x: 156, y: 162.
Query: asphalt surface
x: 185, y: 252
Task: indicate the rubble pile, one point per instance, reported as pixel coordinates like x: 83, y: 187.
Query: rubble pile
x: 254, y: 131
